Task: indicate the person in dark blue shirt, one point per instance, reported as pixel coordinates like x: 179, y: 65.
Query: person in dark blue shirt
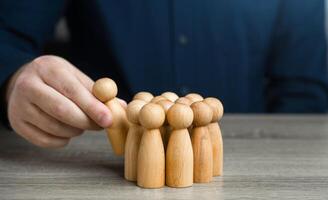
x: 256, y: 56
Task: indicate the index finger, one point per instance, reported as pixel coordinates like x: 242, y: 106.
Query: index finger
x: 68, y: 85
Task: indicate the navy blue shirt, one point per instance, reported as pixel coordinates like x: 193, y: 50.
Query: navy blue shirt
x: 255, y: 55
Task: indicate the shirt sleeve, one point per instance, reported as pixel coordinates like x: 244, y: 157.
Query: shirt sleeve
x: 297, y: 73
x: 25, y: 25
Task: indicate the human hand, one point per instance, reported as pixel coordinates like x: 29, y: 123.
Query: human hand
x: 50, y: 102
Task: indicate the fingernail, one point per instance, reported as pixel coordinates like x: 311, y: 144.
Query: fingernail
x: 105, y: 120
x: 123, y: 103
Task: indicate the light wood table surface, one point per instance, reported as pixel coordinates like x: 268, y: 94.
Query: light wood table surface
x: 266, y: 157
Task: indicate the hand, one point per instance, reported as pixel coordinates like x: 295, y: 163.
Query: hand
x: 50, y: 101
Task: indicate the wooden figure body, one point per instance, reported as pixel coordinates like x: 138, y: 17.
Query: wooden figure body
x: 151, y: 156
x: 179, y: 153
x: 145, y: 96
x: 165, y: 129
x: 105, y: 90
x: 216, y: 136
x: 201, y: 143
x: 133, y: 140
x: 170, y: 96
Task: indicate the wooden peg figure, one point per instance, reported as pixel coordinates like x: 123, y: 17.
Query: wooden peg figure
x: 151, y: 156
x: 145, y: 96
x: 157, y: 99
x: 165, y: 129
x: 170, y: 96
x: 216, y: 136
x: 194, y: 97
x: 184, y: 100
x: 201, y: 143
x: 179, y: 153
x: 133, y: 139
x: 105, y: 90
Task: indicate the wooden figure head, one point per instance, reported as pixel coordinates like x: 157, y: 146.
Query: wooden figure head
x: 104, y: 89
x: 133, y: 109
x: 157, y: 99
x: 216, y: 106
x: 180, y: 116
x: 152, y: 116
x: 170, y: 96
x: 202, y: 113
x: 194, y: 97
x: 145, y: 96
x: 166, y: 105
x: 184, y: 100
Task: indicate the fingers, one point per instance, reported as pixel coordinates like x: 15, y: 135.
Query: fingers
x: 40, y: 138
x: 84, y: 79
x: 46, y: 123
x: 50, y: 101
x: 88, y: 83
x: 71, y: 87
x: 123, y: 103
x: 57, y: 105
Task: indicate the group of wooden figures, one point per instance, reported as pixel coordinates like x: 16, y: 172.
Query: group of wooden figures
x: 165, y: 139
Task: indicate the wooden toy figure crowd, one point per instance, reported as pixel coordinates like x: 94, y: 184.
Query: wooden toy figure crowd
x: 165, y: 140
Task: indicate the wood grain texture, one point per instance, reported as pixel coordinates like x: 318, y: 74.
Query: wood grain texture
x: 179, y: 160
x: 266, y: 157
x: 217, y: 148
x: 131, y: 152
x: 203, y: 154
x: 118, y: 131
x: 151, y: 160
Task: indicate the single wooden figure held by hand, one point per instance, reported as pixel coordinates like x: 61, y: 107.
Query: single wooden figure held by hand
x: 105, y: 90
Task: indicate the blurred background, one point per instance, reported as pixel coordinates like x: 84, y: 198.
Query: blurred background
x: 256, y: 56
